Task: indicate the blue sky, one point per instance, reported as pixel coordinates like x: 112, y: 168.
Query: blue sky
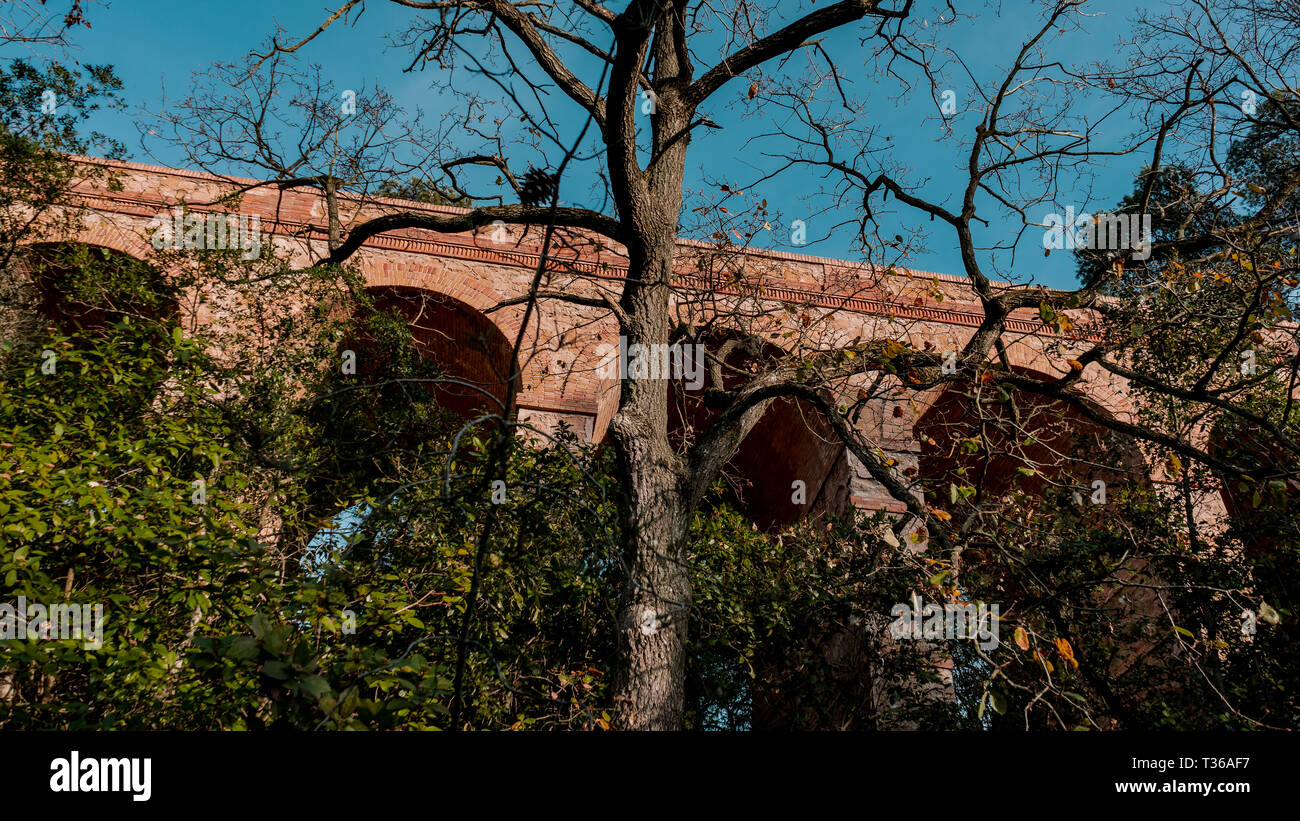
x: 156, y: 45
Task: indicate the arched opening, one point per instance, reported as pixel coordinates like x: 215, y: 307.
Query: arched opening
x: 980, y: 442
x: 75, y: 285
x: 1003, y: 454
x: 790, y: 466
x: 472, y: 354
x: 115, y: 310
x: 416, y: 366
x: 1261, y: 509
x: 1042, y: 494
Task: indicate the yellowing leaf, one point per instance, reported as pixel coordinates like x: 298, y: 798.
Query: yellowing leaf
x: 1067, y: 652
x: 1022, y: 638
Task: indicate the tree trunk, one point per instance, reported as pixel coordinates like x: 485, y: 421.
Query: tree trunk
x: 650, y: 686
x: 654, y: 606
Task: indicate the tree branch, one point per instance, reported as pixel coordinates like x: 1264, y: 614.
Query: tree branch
x: 477, y: 218
x: 784, y: 40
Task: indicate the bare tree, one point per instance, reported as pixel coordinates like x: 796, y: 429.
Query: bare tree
x: 1022, y: 136
x: 34, y: 24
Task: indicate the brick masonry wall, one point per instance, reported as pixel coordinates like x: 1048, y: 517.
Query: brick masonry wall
x: 559, y: 357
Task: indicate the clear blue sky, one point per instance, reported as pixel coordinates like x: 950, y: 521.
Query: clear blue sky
x: 155, y: 45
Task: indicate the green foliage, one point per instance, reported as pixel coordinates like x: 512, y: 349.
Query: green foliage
x: 96, y: 472
x: 787, y: 630
x: 216, y: 619
x: 35, y: 171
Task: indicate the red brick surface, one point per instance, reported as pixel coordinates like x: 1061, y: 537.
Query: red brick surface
x: 559, y: 360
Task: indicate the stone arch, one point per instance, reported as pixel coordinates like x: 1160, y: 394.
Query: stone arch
x: 791, y: 443
x: 48, y: 270
x: 108, y: 234
x: 425, y: 273
x: 1258, y: 509
x: 973, y: 433
x: 78, y: 293
x: 466, y: 345
x: 1069, y: 454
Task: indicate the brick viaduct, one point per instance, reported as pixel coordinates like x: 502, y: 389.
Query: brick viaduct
x: 472, y: 274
